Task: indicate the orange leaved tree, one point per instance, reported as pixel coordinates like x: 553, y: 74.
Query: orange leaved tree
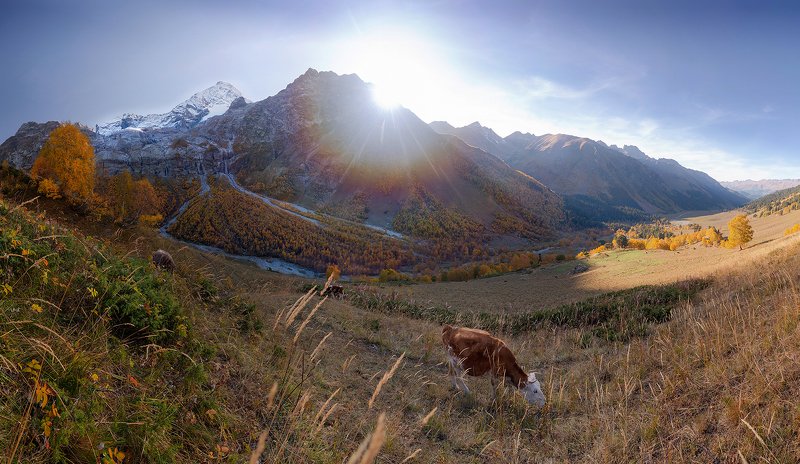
x: 739, y: 231
x: 131, y: 200
x: 67, y: 160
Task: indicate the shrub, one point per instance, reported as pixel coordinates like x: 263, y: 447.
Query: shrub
x: 49, y: 188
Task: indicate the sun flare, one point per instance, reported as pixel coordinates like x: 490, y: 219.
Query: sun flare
x: 403, y: 71
x: 385, y: 97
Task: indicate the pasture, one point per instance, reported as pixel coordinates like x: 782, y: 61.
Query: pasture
x: 671, y: 392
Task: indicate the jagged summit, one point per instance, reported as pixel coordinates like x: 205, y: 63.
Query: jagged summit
x: 212, y: 101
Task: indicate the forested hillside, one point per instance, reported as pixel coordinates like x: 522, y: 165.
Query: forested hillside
x: 241, y: 224
x: 779, y: 202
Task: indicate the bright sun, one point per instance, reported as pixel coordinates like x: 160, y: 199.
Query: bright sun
x: 405, y: 68
x: 385, y: 97
x: 399, y: 68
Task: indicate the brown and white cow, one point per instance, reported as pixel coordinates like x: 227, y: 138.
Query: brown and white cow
x: 476, y: 352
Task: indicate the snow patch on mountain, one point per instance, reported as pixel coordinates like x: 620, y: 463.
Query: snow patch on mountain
x: 210, y: 102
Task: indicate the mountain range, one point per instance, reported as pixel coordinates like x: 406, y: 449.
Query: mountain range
x: 323, y: 144
x: 754, y: 189
x: 612, y: 181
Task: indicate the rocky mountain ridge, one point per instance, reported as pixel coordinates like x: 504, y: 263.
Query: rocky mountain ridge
x: 212, y: 101
x: 324, y: 144
x: 591, y: 173
x: 754, y: 189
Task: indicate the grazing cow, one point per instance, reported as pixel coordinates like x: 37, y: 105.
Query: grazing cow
x: 336, y: 291
x: 163, y: 260
x: 476, y: 352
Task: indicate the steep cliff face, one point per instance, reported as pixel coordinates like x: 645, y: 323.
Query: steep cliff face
x: 21, y: 148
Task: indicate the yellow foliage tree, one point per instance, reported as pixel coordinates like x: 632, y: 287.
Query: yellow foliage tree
x: 133, y: 200
x: 333, y: 270
x: 49, y: 189
x: 67, y: 160
x: 739, y: 231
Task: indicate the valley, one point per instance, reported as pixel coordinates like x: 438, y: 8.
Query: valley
x: 358, y: 232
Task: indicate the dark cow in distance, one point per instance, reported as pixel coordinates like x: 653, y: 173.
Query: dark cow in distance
x: 163, y: 260
x: 336, y: 291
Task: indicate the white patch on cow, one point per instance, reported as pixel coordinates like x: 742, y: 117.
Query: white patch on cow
x: 532, y: 391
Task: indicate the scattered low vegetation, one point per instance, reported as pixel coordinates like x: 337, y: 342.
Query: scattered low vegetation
x: 615, y: 316
x: 662, y: 236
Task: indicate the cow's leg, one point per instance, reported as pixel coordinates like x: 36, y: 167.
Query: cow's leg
x: 451, y: 369
x: 461, y: 375
x: 494, y: 386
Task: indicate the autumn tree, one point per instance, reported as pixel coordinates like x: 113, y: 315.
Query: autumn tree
x: 131, y: 200
x: 333, y: 270
x: 67, y: 161
x: 740, y: 231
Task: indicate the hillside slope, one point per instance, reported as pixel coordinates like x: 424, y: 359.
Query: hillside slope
x: 668, y: 373
x: 781, y: 201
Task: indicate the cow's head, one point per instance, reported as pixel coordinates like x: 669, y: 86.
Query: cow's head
x: 532, y: 391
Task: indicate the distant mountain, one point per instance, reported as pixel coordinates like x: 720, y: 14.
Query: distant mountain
x: 212, y: 101
x: 606, y: 182
x: 324, y: 144
x: 754, y: 189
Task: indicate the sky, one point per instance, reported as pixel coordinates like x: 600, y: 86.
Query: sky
x: 712, y: 84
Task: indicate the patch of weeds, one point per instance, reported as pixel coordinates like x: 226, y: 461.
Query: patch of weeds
x: 435, y: 429
x: 374, y: 325
x: 614, y: 316
x: 205, y: 289
x: 278, y: 352
x: 248, y: 320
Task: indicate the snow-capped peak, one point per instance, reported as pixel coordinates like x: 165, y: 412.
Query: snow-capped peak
x: 212, y: 101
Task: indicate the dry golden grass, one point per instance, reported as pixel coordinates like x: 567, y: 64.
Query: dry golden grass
x: 718, y: 382
x: 552, y: 285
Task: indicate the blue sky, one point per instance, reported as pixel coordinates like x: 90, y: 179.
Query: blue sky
x: 711, y: 84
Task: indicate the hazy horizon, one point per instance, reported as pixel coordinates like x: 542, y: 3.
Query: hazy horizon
x: 711, y: 86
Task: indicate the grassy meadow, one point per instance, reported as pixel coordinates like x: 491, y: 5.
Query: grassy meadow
x: 656, y: 356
